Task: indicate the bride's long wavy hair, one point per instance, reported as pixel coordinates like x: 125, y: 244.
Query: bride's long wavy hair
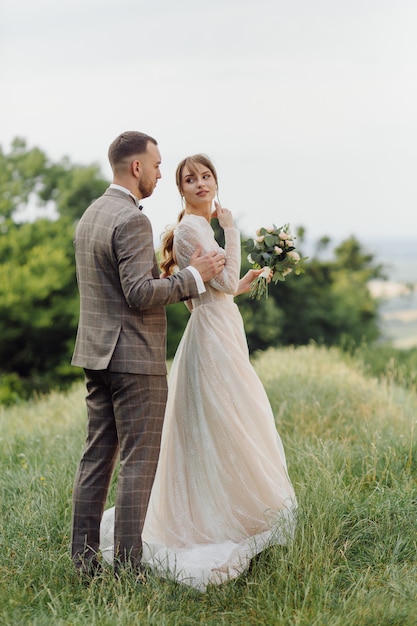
x: 168, y: 263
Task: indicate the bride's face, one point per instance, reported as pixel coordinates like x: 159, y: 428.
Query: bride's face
x: 199, y: 185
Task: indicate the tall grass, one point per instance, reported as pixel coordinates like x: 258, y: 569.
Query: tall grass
x: 351, y: 449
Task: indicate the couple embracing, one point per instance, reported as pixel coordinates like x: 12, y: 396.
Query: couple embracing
x: 202, y: 485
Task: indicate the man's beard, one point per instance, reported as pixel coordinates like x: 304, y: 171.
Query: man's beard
x: 145, y: 187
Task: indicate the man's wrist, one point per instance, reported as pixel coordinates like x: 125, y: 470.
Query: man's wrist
x: 197, y: 276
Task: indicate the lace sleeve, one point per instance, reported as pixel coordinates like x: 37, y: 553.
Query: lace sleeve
x: 191, y: 233
x: 228, y: 279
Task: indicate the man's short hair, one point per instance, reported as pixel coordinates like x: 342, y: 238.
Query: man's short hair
x: 126, y: 145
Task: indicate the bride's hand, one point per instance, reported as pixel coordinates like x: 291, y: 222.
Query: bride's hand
x: 246, y: 280
x: 224, y: 216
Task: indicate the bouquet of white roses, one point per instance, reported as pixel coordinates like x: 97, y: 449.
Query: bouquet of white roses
x: 272, y: 249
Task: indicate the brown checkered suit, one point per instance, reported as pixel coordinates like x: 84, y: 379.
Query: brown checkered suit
x: 120, y: 343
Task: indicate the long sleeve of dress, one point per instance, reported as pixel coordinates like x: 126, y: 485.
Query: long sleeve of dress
x: 195, y: 231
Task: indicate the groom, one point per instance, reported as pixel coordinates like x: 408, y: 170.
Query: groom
x: 120, y: 344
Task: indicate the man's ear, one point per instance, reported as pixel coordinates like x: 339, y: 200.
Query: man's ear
x: 136, y: 168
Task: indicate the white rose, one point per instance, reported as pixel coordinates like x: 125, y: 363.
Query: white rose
x: 283, y: 235
x: 259, y: 239
x: 287, y: 271
x: 293, y: 255
x: 277, y: 250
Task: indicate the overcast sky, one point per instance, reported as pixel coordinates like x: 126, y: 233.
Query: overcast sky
x: 307, y: 107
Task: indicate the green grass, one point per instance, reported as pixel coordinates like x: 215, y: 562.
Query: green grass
x: 351, y: 448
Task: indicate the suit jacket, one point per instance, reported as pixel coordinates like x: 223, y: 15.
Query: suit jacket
x: 122, y: 325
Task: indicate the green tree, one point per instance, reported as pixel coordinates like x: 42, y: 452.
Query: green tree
x: 21, y: 173
x: 72, y: 187
x: 330, y: 303
x: 29, y: 179
x: 38, y: 290
x: 38, y: 303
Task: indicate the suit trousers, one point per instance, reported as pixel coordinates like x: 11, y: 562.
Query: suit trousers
x: 125, y: 417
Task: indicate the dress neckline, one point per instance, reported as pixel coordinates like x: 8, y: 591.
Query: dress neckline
x: 199, y: 217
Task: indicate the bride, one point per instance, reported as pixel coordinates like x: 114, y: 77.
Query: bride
x: 221, y: 492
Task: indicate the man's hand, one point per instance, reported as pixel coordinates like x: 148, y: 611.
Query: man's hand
x: 208, y: 265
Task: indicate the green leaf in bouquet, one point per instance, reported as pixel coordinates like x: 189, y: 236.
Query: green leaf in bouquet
x: 277, y: 276
x: 257, y: 256
x: 249, y: 245
x: 267, y: 256
x: 269, y: 240
x: 264, y: 254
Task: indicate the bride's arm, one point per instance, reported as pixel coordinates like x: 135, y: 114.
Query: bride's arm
x: 247, y: 280
x: 228, y: 279
x: 233, y: 253
x: 190, y: 235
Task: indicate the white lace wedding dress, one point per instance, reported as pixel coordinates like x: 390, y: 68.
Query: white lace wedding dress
x: 221, y: 493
